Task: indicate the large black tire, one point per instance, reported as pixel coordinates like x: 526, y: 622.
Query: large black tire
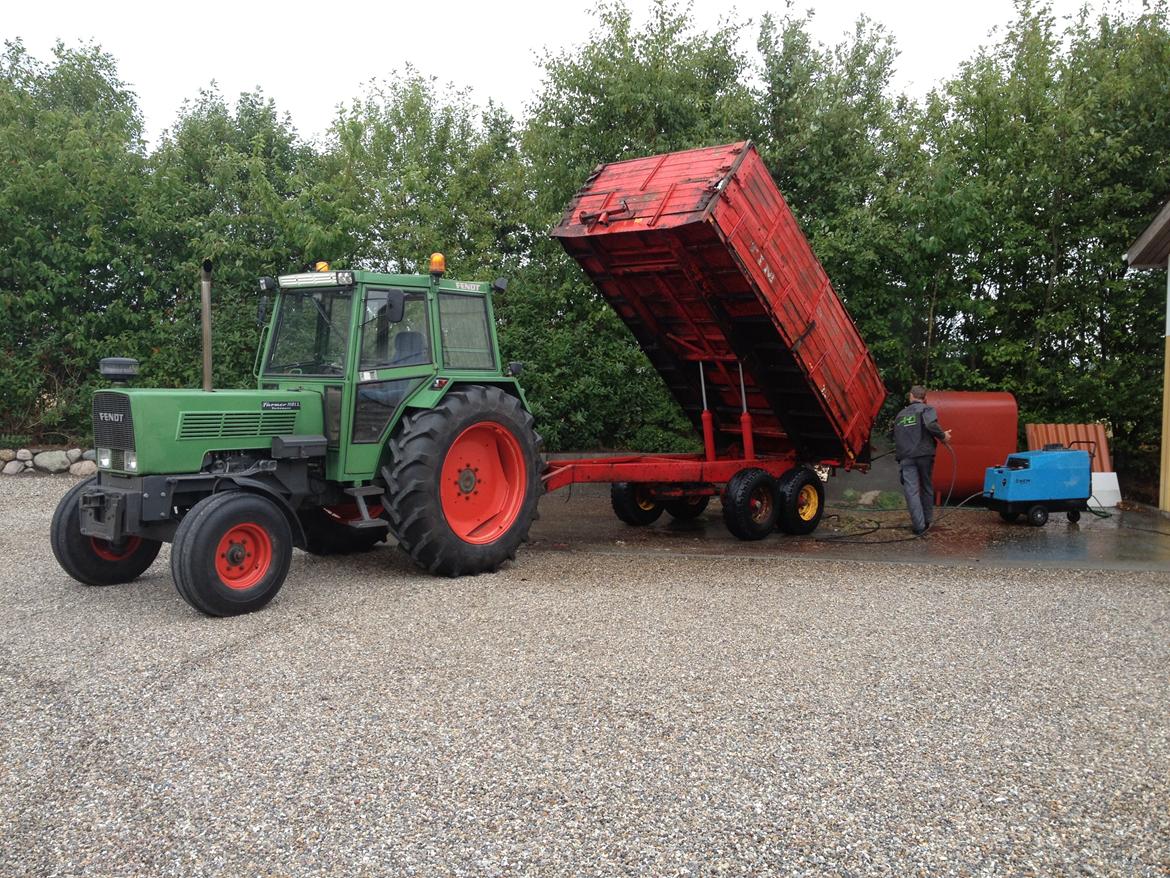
x: 1074, y: 515
x: 1011, y: 517
x: 1038, y: 515
x: 328, y: 535
x: 633, y: 504
x: 749, y: 504
x: 92, y: 561
x: 428, y: 469
x: 231, y: 553
x: 800, y: 495
x: 686, y: 508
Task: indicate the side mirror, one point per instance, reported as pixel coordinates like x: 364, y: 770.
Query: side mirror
x: 395, y: 305
x: 262, y: 311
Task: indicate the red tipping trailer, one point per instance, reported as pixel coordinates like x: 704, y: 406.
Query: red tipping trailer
x: 700, y: 256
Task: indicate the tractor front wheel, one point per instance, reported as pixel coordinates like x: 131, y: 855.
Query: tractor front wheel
x: 231, y: 553
x: 90, y: 560
x: 1010, y: 516
x: 800, y: 494
x: 1038, y: 516
x: 634, y: 504
x: 463, y: 481
x: 749, y: 504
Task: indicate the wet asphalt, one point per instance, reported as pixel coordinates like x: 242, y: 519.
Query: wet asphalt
x: 967, y: 536
x: 988, y: 700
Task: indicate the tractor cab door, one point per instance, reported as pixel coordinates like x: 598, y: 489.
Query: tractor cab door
x: 394, y: 357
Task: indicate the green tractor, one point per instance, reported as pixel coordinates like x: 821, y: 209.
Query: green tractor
x: 381, y: 408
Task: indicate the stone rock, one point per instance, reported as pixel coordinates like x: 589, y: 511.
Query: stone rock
x: 24, y: 454
x: 868, y: 498
x: 13, y: 467
x: 89, y: 454
x: 74, y: 455
x: 83, y: 468
x: 52, y: 461
x: 7, y: 454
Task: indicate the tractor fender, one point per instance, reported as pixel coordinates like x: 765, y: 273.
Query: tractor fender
x: 257, y: 487
x: 427, y: 397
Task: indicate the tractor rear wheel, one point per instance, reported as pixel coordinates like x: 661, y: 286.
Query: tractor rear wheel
x: 686, y: 508
x: 90, y: 560
x: 801, y: 496
x: 1074, y: 515
x: 634, y: 504
x: 231, y: 553
x: 328, y: 533
x: 464, y: 480
x: 1011, y: 517
x: 749, y: 504
x: 1038, y: 515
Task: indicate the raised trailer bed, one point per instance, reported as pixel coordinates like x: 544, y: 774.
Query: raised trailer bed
x: 700, y: 256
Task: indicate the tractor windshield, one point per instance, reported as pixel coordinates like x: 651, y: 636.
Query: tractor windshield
x: 311, y: 335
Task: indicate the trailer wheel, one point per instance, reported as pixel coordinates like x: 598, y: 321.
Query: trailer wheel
x: 686, y: 508
x: 749, y: 504
x: 633, y: 503
x: 1011, y: 517
x: 93, y: 561
x: 1074, y: 515
x: 327, y: 531
x: 231, y: 553
x: 1037, y: 516
x: 464, y: 480
x: 801, y: 496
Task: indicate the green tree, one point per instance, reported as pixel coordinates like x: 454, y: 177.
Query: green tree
x: 222, y: 186
x: 625, y: 92
x: 70, y: 282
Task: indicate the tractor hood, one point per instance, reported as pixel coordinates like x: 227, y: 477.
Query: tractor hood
x: 154, y: 431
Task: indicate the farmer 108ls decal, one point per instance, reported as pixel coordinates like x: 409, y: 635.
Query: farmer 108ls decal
x: 382, y: 405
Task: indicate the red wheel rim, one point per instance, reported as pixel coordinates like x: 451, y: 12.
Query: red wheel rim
x: 483, y: 483
x: 760, y: 504
x: 106, y: 550
x: 243, y: 556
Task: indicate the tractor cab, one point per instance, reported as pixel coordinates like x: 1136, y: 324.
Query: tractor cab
x: 369, y: 343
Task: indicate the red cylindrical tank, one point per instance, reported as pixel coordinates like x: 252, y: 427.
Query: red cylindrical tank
x: 984, y: 429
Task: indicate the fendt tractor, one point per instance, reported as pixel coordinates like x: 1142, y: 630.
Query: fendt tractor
x: 382, y: 406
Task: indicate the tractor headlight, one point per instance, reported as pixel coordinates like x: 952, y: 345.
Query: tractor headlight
x: 103, y: 458
x: 131, y: 461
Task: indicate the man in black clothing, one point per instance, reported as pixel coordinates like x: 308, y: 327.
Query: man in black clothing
x: 916, y: 434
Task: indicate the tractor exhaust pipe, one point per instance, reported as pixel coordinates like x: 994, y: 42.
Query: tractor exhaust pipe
x: 205, y: 314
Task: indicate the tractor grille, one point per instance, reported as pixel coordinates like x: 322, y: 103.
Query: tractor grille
x: 223, y: 425
x: 113, y: 425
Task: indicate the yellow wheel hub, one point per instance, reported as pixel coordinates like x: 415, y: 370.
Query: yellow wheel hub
x: 807, y: 503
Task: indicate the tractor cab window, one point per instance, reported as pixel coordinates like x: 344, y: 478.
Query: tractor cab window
x: 467, y: 341
x: 312, y: 333
x: 386, y: 344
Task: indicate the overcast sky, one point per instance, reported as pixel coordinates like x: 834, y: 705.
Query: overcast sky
x: 311, y: 57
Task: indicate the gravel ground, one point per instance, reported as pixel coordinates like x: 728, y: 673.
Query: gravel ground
x: 583, y: 713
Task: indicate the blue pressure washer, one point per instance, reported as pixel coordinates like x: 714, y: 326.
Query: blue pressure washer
x: 1035, y: 483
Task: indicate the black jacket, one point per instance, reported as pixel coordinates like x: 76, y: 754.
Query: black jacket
x: 916, y: 431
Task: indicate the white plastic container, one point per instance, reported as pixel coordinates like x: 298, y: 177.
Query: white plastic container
x: 1105, y: 490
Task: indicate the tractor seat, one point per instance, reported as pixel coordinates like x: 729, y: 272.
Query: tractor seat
x: 409, y: 349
